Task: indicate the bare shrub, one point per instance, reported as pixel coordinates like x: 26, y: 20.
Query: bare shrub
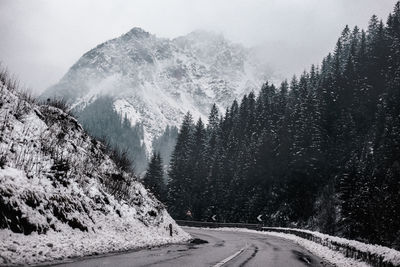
x: 121, y: 160
x: 3, y: 74
x: 117, y: 184
x: 26, y: 95
x: 59, y: 103
x: 60, y: 171
x: 11, y: 83
x: 3, y: 161
x: 120, y: 157
x: 20, y: 109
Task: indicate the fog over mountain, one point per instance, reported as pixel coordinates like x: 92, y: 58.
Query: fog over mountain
x: 154, y: 81
x: 42, y: 39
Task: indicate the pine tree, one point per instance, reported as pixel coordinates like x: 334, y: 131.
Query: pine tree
x: 165, y: 144
x: 154, y: 178
x: 180, y: 173
x: 200, y: 170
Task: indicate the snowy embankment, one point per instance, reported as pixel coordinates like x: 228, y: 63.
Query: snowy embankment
x: 61, y: 194
x: 334, y: 250
x: 372, y: 254
x: 109, y: 233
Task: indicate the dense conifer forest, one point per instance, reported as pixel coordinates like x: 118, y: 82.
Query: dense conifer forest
x: 321, y: 151
x: 103, y: 122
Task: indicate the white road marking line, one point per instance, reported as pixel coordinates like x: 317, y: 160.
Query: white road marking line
x: 306, y: 260
x: 221, y: 263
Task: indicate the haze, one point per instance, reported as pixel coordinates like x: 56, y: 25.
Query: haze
x: 40, y: 40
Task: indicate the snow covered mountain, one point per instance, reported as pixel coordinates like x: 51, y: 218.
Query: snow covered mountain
x: 61, y: 193
x: 155, y: 81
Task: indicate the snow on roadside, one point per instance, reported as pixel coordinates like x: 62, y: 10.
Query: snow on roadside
x: 60, y: 192
x: 17, y: 249
x: 108, y: 233
x: 334, y: 257
x: 388, y: 254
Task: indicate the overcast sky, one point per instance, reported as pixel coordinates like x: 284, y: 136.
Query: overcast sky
x: 41, y: 39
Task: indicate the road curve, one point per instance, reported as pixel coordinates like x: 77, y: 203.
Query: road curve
x: 224, y: 248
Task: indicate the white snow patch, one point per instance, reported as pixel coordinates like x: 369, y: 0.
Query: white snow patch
x: 331, y: 256
x: 388, y: 254
x: 52, y: 189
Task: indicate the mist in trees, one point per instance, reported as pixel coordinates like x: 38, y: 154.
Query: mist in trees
x: 103, y: 122
x: 321, y: 151
x: 165, y: 144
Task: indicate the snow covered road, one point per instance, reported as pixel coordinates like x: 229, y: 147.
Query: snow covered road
x: 224, y: 248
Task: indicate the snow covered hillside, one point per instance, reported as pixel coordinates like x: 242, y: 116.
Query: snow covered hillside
x: 61, y: 195
x: 155, y: 81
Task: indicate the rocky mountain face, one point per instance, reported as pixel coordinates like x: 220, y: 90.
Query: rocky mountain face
x: 155, y: 81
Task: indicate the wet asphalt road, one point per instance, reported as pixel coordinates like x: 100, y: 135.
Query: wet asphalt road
x: 224, y: 248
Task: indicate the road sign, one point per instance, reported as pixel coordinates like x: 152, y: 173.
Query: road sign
x: 213, y: 217
x: 259, y: 218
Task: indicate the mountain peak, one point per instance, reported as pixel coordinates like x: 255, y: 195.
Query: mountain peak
x: 155, y: 81
x: 137, y: 32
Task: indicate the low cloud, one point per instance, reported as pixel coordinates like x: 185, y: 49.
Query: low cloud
x: 41, y: 39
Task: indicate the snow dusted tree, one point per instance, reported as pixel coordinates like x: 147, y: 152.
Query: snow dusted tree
x: 180, y: 172
x: 322, y: 152
x: 154, y: 177
x: 165, y: 144
x: 198, y: 165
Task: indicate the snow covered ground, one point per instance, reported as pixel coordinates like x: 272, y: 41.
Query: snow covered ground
x: 108, y: 233
x: 387, y: 254
x: 321, y: 251
x: 335, y: 257
x: 61, y: 195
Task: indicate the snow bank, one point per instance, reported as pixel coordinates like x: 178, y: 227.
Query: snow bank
x: 325, y: 253
x: 336, y: 250
x: 60, y: 191
x: 108, y: 233
x: 334, y: 257
x: 373, y: 254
